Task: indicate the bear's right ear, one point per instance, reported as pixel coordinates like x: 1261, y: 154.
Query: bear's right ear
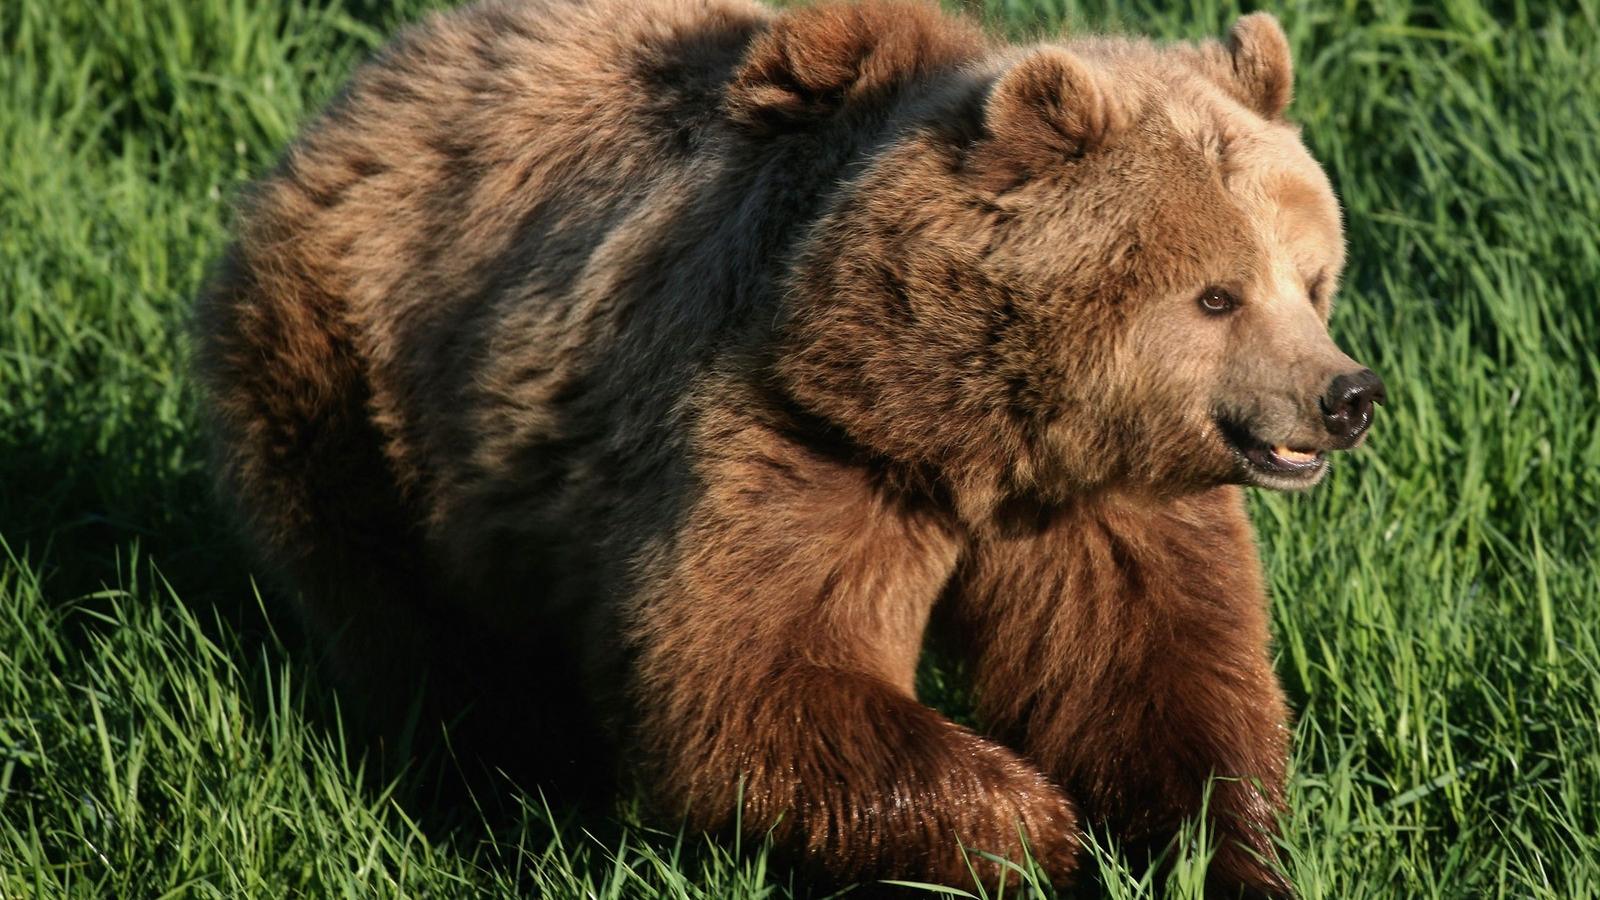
x: 815, y: 61
x: 1051, y: 101
x: 1253, y: 65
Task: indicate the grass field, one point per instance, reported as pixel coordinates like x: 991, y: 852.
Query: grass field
x: 1437, y: 602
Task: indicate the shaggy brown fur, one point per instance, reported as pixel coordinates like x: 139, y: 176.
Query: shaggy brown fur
x: 706, y: 351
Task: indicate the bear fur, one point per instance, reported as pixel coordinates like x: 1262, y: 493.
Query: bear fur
x: 713, y: 356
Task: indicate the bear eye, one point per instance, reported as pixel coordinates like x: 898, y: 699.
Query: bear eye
x: 1217, y: 301
x: 1319, y: 286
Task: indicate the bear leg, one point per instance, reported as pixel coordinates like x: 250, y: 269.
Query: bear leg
x: 296, y: 453
x: 1122, y: 645
x: 776, y: 650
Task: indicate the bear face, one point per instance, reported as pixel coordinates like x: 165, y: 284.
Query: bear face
x: 1099, y: 262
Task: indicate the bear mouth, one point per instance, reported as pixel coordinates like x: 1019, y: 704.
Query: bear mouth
x: 1274, y: 465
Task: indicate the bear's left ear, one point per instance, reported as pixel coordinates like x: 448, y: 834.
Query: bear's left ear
x: 1051, y: 100
x: 1254, y: 65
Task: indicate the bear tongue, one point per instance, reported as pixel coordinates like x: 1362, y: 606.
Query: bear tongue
x: 1282, y: 451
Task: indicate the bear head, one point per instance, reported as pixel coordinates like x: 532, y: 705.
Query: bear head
x: 1064, y: 267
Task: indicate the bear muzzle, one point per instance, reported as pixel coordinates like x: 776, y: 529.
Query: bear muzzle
x: 1345, y: 409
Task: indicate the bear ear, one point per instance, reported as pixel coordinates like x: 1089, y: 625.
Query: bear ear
x: 1256, y: 65
x: 814, y: 61
x: 1051, y: 101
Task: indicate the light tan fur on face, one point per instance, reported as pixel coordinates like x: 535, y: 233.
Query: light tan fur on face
x: 1279, y: 358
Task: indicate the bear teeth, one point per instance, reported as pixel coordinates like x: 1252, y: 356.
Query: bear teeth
x: 1296, y: 456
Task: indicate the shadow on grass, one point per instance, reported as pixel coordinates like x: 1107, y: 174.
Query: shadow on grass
x: 94, y: 508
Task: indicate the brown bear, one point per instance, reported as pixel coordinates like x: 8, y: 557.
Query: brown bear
x: 719, y: 353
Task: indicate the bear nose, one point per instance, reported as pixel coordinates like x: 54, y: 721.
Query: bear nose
x: 1347, y: 406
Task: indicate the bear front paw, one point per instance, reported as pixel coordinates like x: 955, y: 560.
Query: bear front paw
x: 861, y: 783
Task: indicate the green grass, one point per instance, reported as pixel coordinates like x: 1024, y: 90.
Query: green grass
x: 1437, y: 603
